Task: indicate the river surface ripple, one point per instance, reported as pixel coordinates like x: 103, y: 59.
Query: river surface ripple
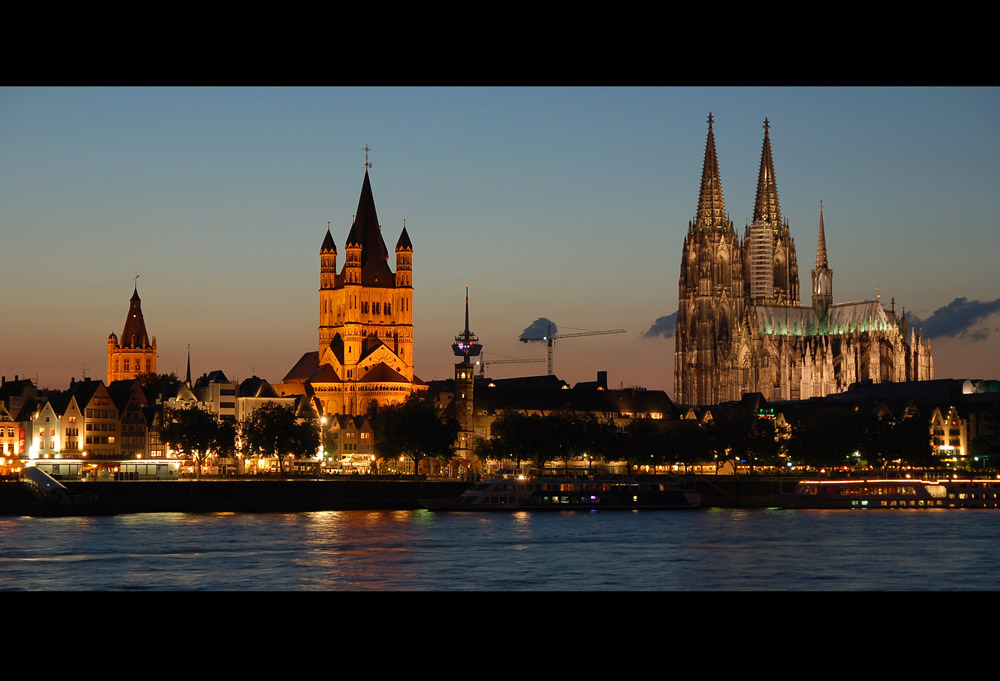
x: 704, y: 550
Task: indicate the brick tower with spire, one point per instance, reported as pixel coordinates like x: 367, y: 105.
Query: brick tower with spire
x: 133, y: 354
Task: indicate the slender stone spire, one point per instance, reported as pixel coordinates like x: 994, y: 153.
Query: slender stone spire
x: 187, y: 377
x: 711, y: 206
x: 822, y: 275
x: 766, y: 208
x: 821, y: 244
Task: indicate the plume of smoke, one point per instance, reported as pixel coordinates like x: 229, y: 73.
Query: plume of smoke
x: 956, y: 319
x: 664, y: 326
x: 539, y: 329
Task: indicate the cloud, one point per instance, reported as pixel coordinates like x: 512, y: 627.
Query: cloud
x: 664, y: 326
x: 956, y: 319
x: 539, y: 329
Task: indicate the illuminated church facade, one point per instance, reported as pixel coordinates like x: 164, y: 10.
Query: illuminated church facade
x: 741, y: 327
x: 365, y: 353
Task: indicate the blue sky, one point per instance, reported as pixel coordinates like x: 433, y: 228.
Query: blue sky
x: 567, y: 203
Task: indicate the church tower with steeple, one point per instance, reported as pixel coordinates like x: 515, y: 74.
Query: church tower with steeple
x: 133, y: 354
x: 365, y: 353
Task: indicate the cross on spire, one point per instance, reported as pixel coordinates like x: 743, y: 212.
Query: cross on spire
x: 366, y: 150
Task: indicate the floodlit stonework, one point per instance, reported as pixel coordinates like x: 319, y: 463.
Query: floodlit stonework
x: 365, y: 355
x: 740, y: 326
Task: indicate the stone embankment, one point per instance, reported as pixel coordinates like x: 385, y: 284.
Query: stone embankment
x: 342, y: 494
x: 241, y: 495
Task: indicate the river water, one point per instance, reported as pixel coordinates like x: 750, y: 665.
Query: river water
x: 704, y: 550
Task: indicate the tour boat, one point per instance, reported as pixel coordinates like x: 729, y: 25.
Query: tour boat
x: 552, y: 493
x: 894, y: 493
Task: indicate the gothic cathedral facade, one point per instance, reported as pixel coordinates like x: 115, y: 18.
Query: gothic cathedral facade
x: 365, y: 354
x: 740, y: 326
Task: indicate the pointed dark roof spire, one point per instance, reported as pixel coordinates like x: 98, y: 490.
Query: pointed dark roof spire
x: 367, y: 233
x: 404, y: 240
x: 711, y: 206
x: 821, y: 242
x: 187, y: 377
x: 328, y: 245
x: 134, y: 334
x: 766, y: 208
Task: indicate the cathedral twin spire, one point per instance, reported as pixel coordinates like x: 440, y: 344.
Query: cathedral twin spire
x: 711, y: 206
x: 766, y: 208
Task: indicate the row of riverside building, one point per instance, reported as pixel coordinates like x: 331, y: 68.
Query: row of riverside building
x: 93, y: 429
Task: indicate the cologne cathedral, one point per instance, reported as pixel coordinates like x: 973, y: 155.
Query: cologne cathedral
x: 740, y: 326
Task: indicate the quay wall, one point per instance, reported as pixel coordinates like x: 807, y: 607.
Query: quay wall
x: 351, y: 493
x: 247, y: 495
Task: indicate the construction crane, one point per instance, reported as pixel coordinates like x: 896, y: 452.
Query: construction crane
x: 549, y: 338
x: 482, y: 364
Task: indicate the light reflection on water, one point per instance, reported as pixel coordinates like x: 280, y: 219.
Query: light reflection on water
x: 711, y: 549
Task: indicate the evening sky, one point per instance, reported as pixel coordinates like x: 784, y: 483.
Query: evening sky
x: 565, y: 203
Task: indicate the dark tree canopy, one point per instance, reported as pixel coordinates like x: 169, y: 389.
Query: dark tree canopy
x: 196, y: 433
x: 274, y: 430
x: 417, y: 429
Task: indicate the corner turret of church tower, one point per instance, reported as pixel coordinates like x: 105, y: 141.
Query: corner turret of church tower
x: 404, y: 260
x: 327, y: 261
x: 352, y: 258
